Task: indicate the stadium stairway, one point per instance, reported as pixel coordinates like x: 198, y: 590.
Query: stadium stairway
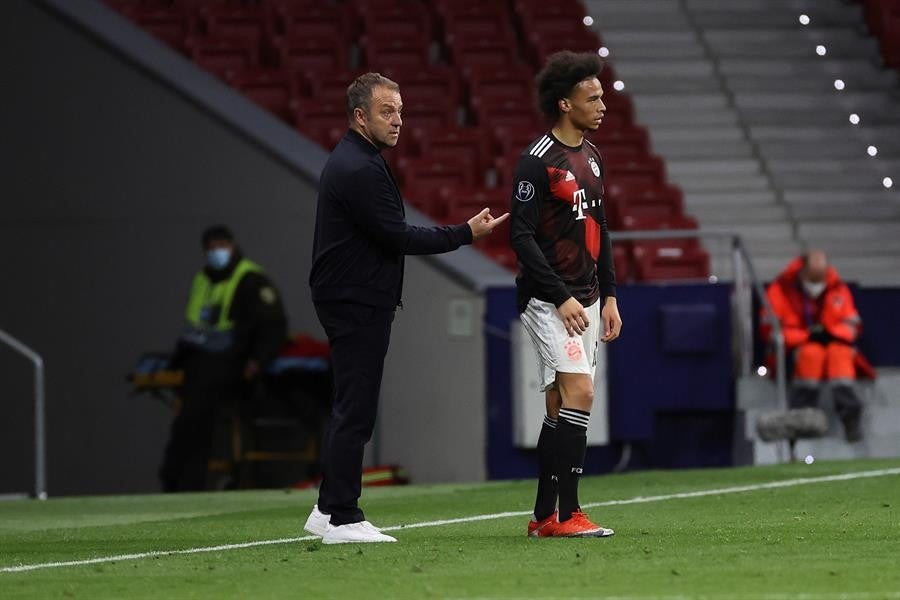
x: 880, y: 422
x: 744, y: 108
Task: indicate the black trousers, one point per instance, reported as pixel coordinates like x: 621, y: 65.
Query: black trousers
x: 211, y: 381
x: 359, y: 336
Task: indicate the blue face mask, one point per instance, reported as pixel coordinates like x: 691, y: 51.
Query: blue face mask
x: 218, y: 258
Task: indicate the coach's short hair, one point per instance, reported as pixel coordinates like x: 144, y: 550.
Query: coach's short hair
x: 563, y: 71
x: 359, y: 93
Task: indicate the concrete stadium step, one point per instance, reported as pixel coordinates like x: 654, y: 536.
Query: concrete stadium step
x: 886, y: 137
x: 837, y: 211
x: 850, y: 149
x: 650, y: 44
x: 748, y: 200
x: 613, y: 15
x: 719, y: 216
x: 777, y: 43
x: 777, y: 12
x: 848, y: 101
x: 699, y: 149
x: 850, y: 230
x: 860, y: 68
x: 656, y: 118
x: 809, y: 83
x: 739, y: 167
x: 851, y: 197
x: 713, y: 182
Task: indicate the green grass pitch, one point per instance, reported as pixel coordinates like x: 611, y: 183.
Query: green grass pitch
x: 817, y: 540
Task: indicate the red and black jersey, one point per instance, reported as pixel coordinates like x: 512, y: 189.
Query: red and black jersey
x: 558, y: 224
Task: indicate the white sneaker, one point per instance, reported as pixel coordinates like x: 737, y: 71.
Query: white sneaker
x: 355, y: 533
x: 318, y: 522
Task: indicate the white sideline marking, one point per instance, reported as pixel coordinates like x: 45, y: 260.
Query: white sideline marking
x: 637, y: 500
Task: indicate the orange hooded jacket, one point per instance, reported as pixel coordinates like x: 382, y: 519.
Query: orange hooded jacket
x: 797, y: 313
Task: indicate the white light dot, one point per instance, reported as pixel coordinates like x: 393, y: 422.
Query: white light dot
x: 821, y: 50
x: 872, y: 150
x: 838, y: 84
x: 804, y: 19
x: 618, y: 85
x: 588, y: 20
x: 762, y: 371
x: 603, y: 51
x: 713, y: 279
x: 854, y: 119
x: 809, y: 459
x: 887, y: 182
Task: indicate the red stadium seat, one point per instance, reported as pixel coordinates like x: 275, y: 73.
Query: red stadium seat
x: 324, y: 121
x: 252, y: 24
x: 672, y: 259
x: 649, y: 170
x: 432, y: 82
x: 332, y: 86
x: 470, y: 142
x: 508, y: 113
x: 326, y: 134
x: 462, y: 203
x: 487, y: 84
x: 482, y: 53
x: 311, y: 56
x: 422, y: 178
x: 273, y: 89
x: 401, y: 54
x: 410, y: 20
x: 220, y: 56
x: 429, y: 113
x: 543, y: 46
x: 298, y: 20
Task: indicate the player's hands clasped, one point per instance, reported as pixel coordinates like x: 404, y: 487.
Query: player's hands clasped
x: 612, y: 322
x: 483, y: 223
x: 574, y: 317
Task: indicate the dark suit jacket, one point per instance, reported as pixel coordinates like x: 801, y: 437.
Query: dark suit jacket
x: 361, y: 231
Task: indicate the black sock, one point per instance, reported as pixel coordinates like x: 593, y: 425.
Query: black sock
x: 571, y: 443
x: 545, y: 503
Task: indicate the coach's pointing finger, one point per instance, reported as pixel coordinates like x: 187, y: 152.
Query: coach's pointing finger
x: 483, y: 223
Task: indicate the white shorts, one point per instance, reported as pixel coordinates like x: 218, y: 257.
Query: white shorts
x: 556, y: 350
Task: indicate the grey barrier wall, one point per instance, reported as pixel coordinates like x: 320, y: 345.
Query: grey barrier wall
x: 111, y: 174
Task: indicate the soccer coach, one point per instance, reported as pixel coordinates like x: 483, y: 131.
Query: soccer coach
x: 360, y: 242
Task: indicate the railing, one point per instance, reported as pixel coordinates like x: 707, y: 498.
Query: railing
x: 745, y: 283
x: 40, y: 446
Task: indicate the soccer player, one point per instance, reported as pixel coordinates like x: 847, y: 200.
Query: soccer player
x: 566, y: 288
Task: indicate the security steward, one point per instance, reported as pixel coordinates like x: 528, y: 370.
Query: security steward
x: 821, y: 326
x: 361, y: 238
x: 235, y: 326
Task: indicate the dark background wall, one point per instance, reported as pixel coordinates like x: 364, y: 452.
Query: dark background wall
x: 109, y: 178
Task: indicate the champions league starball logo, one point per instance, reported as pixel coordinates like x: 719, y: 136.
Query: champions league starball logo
x: 524, y: 191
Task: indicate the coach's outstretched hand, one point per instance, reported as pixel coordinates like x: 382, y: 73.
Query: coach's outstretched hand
x: 483, y: 223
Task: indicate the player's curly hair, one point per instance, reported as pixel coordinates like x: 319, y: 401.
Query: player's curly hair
x: 563, y: 71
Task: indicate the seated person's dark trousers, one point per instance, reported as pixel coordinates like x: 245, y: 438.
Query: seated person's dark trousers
x: 359, y: 336
x: 211, y: 381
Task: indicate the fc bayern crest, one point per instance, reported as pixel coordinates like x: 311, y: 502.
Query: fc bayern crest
x: 594, y: 166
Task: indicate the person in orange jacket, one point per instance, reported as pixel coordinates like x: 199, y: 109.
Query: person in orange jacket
x: 821, y: 325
